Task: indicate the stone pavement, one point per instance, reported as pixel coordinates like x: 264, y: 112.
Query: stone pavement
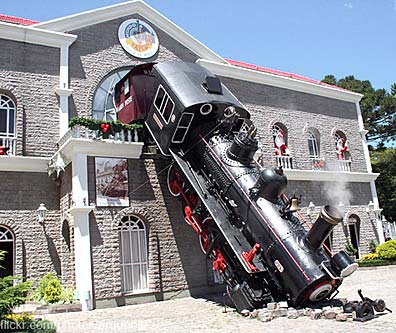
x: 200, y: 315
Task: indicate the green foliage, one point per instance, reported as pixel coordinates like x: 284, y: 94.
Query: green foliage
x: 377, y: 105
x: 12, y: 295
x: 373, y: 246
x: 93, y: 124
x: 375, y: 262
x: 49, y: 290
x: 349, y: 248
x: 68, y: 295
x: 384, y: 162
x: 387, y: 250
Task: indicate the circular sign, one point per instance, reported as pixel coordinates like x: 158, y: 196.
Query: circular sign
x: 138, y: 38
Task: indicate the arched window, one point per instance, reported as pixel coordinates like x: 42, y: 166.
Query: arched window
x: 133, y: 254
x: 7, y: 244
x: 354, y: 232
x: 279, y: 135
x: 103, y: 101
x: 341, y: 145
x: 313, y: 145
x: 7, y: 117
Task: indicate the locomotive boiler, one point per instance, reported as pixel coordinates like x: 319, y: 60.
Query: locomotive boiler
x: 245, y: 222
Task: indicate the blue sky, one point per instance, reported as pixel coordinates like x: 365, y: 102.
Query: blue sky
x: 306, y: 37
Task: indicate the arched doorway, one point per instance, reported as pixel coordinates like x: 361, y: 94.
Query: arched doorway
x: 133, y: 254
x: 354, y: 232
x: 7, y: 244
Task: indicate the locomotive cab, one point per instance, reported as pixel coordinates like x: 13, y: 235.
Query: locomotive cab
x: 186, y: 97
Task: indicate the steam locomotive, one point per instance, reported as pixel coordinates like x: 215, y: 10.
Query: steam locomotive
x: 245, y: 222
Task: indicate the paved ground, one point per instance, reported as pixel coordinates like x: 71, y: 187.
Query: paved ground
x: 200, y: 315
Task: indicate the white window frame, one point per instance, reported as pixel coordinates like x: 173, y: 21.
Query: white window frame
x: 183, y: 127
x: 164, y: 102
x: 4, y: 105
x: 133, y: 224
x: 8, y: 236
x: 313, y: 142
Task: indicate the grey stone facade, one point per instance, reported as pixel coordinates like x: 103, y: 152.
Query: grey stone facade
x: 30, y: 73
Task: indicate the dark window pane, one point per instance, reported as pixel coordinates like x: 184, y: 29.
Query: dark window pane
x: 185, y: 120
x: 168, y: 110
x: 3, y: 121
x: 12, y: 122
x: 179, y: 134
x: 160, y: 97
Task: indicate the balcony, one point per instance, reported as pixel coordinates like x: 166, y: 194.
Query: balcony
x: 285, y: 162
x: 10, y: 143
x: 81, y: 140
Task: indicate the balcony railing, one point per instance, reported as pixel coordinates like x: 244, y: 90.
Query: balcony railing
x: 284, y: 161
x: 79, y: 132
x: 9, y: 142
x: 344, y: 165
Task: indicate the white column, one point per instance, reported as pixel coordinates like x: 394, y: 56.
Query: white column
x: 363, y: 132
x: 82, y: 241
x: 63, y: 91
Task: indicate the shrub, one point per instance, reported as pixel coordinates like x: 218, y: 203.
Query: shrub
x: 349, y: 248
x: 387, y: 250
x: 373, y: 246
x: 370, y: 257
x: 49, y: 290
x: 68, y: 295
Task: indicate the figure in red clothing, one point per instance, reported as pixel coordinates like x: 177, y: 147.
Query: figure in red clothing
x: 280, y: 144
x: 341, y: 148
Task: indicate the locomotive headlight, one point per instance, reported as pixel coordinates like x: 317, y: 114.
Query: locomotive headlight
x: 229, y: 111
x: 321, y: 292
x: 206, y: 109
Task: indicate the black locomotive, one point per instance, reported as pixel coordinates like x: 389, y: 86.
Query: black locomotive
x: 245, y: 222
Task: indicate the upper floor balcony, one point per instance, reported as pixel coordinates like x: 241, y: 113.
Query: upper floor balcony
x: 8, y: 145
x: 105, y: 141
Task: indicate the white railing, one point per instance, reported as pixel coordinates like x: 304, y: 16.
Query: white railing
x: 345, y: 165
x: 9, y: 143
x: 79, y: 132
x: 284, y: 161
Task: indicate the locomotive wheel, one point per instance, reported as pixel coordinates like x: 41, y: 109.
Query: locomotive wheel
x: 174, y: 181
x: 205, y: 244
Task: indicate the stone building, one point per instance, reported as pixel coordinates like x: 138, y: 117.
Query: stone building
x: 53, y: 71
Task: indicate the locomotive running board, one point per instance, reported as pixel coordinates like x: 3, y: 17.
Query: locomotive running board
x: 233, y: 236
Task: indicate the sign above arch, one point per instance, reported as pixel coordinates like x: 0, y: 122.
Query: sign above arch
x: 138, y: 38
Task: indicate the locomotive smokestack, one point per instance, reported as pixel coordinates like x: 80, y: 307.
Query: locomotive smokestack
x: 328, y: 218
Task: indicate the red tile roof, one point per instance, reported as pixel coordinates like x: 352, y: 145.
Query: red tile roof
x: 16, y: 20
x: 280, y: 73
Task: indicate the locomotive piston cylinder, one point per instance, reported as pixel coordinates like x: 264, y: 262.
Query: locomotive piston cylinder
x: 328, y: 218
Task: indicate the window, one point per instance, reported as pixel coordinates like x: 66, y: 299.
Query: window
x: 313, y: 145
x: 182, y: 127
x: 7, y: 244
x: 133, y: 254
x: 164, y: 104
x: 354, y: 232
x: 341, y: 145
x: 103, y: 107
x: 7, y: 117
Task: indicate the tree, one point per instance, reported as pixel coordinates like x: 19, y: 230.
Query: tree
x: 377, y: 105
x: 384, y: 162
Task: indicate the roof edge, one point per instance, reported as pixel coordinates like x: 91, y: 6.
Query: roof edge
x: 30, y: 34
x: 237, y: 72
x: 95, y: 16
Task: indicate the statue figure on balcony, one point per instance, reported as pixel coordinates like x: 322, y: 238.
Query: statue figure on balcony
x: 341, y: 148
x: 280, y: 146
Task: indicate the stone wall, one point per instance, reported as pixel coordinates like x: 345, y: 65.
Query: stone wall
x: 299, y: 111
x: 175, y: 258
x: 37, y: 247
x: 29, y: 74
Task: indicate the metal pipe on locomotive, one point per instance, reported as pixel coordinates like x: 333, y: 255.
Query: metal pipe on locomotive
x: 245, y: 222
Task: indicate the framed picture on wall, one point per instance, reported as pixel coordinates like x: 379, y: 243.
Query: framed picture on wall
x: 111, y: 181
